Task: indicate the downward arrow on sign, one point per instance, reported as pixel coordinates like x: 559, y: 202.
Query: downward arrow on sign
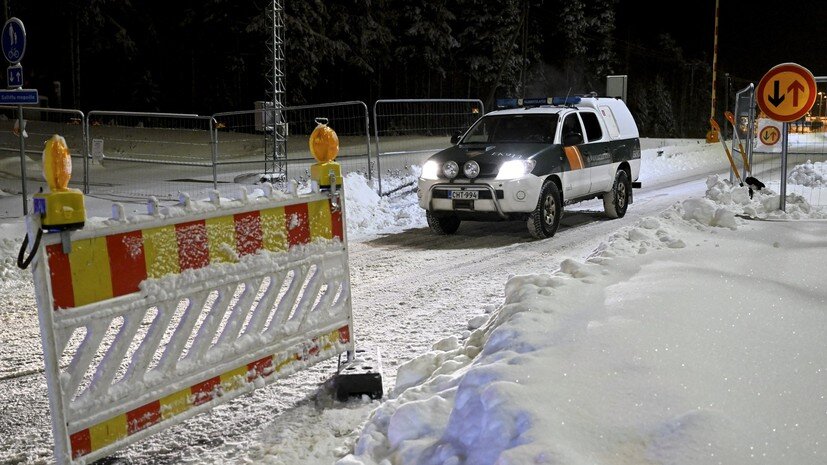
x: 776, y: 99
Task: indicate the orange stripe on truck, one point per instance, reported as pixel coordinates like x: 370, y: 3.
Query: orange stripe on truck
x: 574, y: 157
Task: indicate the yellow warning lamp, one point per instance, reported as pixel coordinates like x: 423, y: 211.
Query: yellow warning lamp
x: 62, y: 208
x: 324, y: 146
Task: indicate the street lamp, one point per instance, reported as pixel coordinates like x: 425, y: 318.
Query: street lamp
x: 820, y: 103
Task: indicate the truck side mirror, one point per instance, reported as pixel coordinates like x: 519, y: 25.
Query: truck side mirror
x: 572, y: 138
x: 455, y: 137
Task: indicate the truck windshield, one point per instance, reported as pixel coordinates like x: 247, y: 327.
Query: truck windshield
x: 513, y: 128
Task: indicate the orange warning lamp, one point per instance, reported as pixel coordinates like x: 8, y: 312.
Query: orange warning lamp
x: 324, y: 146
x: 712, y: 136
x: 61, y: 208
x: 324, y: 143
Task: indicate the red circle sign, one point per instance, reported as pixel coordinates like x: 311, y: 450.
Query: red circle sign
x: 769, y: 135
x: 787, y: 92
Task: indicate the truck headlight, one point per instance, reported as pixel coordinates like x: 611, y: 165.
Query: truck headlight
x: 515, y: 168
x: 430, y: 170
x: 450, y: 169
x: 471, y: 169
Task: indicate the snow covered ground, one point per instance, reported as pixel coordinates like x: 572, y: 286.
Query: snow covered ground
x: 693, y: 335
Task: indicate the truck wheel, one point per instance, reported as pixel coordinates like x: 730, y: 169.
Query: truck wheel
x: 616, y: 202
x: 545, y: 219
x: 447, y: 224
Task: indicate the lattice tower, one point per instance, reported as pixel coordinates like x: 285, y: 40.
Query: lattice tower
x: 276, y: 134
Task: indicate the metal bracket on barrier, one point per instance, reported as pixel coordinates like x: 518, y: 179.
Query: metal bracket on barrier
x: 333, y: 193
x: 66, y: 242
x: 152, y: 207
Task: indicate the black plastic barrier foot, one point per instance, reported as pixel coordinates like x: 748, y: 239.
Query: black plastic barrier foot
x: 360, y: 376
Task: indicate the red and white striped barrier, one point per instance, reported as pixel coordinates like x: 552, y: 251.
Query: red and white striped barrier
x: 151, y: 320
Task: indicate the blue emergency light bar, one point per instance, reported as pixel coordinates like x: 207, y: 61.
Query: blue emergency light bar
x: 504, y: 103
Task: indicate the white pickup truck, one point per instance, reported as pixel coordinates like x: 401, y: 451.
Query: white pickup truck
x: 526, y: 161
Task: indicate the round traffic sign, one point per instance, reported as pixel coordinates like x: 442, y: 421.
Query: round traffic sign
x: 770, y: 135
x: 787, y: 92
x: 13, y: 40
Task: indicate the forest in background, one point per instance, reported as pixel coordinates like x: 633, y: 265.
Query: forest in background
x: 212, y: 55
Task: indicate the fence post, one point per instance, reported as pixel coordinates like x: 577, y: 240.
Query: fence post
x: 214, y: 151
x: 85, y: 123
x: 376, y: 141
x: 84, y: 131
x: 367, y: 135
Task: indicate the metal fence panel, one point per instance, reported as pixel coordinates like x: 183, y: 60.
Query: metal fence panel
x: 130, y: 141
x: 240, y: 144
x: 225, y: 150
x: 350, y: 120
x: 241, y: 139
x: 409, y: 131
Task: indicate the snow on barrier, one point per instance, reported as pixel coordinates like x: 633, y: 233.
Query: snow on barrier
x: 150, y: 320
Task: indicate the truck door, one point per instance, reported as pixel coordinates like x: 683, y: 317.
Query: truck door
x: 576, y: 180
x: 597, y: 153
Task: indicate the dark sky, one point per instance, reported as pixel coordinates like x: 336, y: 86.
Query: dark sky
x: 753, y: 36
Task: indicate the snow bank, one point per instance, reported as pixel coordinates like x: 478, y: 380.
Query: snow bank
x: 674, y: 161
x: 370, y: 214
x: 577, y: 368
x: 11, y: 237
x: 809, y: 174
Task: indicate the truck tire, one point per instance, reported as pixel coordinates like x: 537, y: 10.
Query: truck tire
x: 442, y: 224
x: 545, y: 218
x: 616, y: 202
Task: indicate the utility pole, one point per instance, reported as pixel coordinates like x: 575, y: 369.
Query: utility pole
x: 712, y: 135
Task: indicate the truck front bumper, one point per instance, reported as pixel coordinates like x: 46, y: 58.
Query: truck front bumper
x: 502, y: 197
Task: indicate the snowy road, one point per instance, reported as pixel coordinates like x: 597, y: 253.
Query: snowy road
x: 410, y: 290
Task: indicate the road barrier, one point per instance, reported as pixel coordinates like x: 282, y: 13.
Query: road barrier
x: 149, y: 320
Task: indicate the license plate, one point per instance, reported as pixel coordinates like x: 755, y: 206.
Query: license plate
x: 465, y: 195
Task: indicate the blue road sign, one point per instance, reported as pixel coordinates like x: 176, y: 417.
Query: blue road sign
x: 13, y: 40
x: 14, y: 76
x: 19, y: 96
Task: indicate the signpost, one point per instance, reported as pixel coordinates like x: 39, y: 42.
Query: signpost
x: 13, y: 41
x: 785, y: 94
